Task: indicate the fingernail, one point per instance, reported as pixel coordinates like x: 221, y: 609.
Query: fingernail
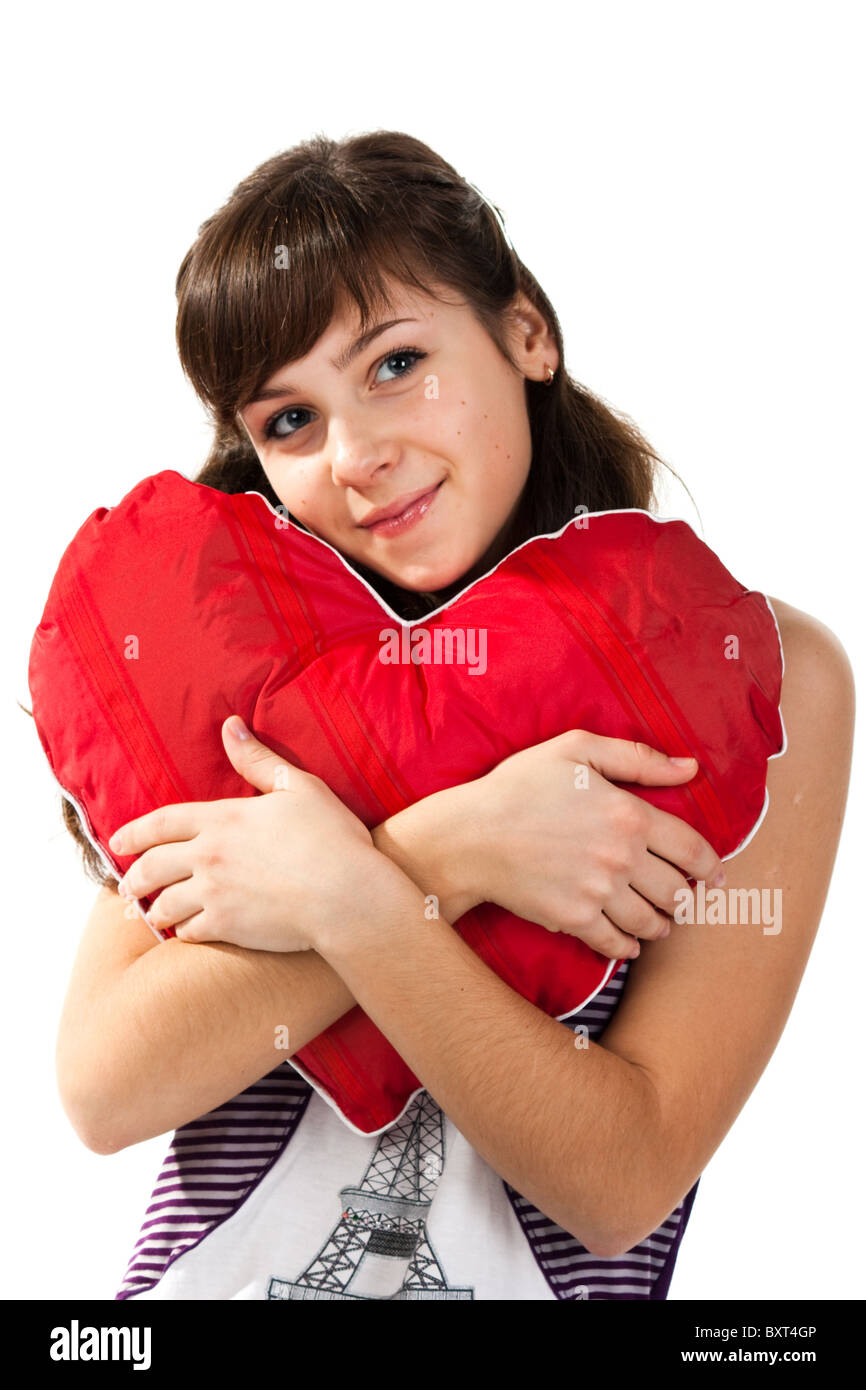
x: 635, y: 951
x: 681, y: 762
x: 116, y: 842
x: 665, y: 932
x: 239, y: 728
x: 719, y: 880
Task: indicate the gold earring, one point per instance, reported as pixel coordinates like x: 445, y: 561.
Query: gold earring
x: 550, y: 374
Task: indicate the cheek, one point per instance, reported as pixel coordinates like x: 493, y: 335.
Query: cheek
x: 503, y: 470
x: 294, y: 488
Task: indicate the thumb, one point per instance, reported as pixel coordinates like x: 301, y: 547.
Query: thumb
x: 255, y: 762
x: 621, y: 760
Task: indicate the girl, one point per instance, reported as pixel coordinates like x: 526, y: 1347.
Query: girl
x: 377, y: 360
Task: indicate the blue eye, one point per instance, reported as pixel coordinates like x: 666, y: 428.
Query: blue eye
x: 410, y: 354
x: 275, y: 430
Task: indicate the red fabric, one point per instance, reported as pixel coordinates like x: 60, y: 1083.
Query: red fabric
x: 181, y: 605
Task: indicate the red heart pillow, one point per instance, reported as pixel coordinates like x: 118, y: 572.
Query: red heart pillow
x: 182, y: 604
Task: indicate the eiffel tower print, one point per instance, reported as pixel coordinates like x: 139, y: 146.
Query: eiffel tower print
x: 380, y: 1248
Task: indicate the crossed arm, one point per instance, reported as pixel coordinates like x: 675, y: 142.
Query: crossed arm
x: 605, y: 1140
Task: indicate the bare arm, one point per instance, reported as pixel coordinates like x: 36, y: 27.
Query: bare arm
x: 149, y: 1039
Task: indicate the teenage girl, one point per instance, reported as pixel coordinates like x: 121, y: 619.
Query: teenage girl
x: 376, y: 359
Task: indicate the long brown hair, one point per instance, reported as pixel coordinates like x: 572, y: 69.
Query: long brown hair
x: 333, y: 218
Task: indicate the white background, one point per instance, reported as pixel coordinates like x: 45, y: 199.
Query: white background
x: 685, y: 180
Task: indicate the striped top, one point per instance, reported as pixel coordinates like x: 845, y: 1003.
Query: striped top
x: 216, y: 1164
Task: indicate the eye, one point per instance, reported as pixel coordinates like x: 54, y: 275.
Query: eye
x: 406, y: 354
x: 275, y: 428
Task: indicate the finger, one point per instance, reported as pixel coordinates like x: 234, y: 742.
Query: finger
x: 195, y: 928
x: 179, y: 821
x: 661, y: 884
x: 633, y: 914
x: 156, y: 868
x: 176, y: 904
x: 621, y: 760
x: 255, y: 762
x: 604, y: 936
x: 680, y: 844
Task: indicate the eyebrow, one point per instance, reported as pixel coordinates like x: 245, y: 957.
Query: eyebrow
x: 340, y: 362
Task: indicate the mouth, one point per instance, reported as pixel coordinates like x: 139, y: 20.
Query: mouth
x: 411, y: 512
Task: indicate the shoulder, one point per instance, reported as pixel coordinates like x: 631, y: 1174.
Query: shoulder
x: 815, y: 659
x: 817, y: 702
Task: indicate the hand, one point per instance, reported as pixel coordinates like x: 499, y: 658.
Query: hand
x: 265, y: 872
x: 591, y: 860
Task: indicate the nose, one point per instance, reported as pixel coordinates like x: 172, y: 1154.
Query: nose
x: 357, y: 459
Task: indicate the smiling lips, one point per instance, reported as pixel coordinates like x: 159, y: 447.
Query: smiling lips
x: 402, y: 514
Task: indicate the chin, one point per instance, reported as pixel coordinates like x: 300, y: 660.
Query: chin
x: 432, y: 580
